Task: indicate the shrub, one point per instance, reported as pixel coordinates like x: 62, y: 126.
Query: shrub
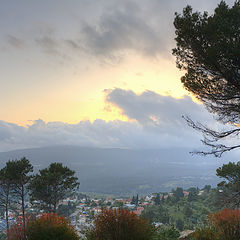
x: 50, y: 227
x: 120, y: 225
x: 167, y: 233
x: 207, y: 233
x: 223, y: 225
x: 16, y: 230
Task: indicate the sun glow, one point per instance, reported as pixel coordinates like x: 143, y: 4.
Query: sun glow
x: 81, y: 96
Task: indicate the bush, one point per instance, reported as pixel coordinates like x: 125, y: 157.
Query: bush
x: 120, y: 225
x: 50, y: 227
x: 16, y: 231
x: 223, y: 225
x: 207, y: 233
x: 167, y: 233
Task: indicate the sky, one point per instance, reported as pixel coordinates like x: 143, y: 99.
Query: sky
x: 94, y: 73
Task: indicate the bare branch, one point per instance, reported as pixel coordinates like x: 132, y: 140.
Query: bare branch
x: 211, y: 137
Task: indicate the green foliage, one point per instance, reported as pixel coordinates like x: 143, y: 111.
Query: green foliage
x: 93, y: 204
x: 230, y: 187
x: 193, y: 213
x: 13, y: 179
x: 157, y: 199
x: 192, y: 196
x: 22, y: 168
x: 187, y: 211
x: 66, y: 210
x: 21, y: 178
x: 53, y: 184
x: 3, y: 236
x: 118, y: 204
x: 156, y: 213
x: 167, y: 233
x: 135, y: 200
x: 178, y: 193
x: 208, y: 52
x: 180, y: 224
x: 230, y: 172
x: 193, y: 192
x: 207, y: 188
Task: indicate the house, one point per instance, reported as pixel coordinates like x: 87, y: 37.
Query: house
x: 185, y: 234
x: 186, y: 193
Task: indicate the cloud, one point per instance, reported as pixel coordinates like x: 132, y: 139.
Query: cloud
x: 150, y: 107
x: 120, y: 31
x: 128, y: 26
x: 48, y: 44
x: 157, y: 123
x: 15, y: 41
x: 161, y: 114
x: 106, y: 29
x: 53, y: 47
x: 145, y: 27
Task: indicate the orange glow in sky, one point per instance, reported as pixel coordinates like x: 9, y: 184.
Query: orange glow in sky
x: 80, y: 96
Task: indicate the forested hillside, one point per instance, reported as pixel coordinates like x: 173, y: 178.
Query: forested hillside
x: 122, y: 171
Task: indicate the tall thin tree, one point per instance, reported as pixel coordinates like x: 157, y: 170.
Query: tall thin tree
x: 21, y: 177
x: 5, y: 191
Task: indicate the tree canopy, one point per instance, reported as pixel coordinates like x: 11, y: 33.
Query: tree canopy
x: 21, y: 176
x: 6, y: 183
x: 157, y: 199
x: 208, y: 50
x: 53, y: 184
x: 230, y: 186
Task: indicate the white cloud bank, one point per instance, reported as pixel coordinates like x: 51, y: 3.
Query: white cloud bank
x: 158, y: 123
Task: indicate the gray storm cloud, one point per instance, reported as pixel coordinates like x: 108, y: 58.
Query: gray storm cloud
x: 106, y: 28
x: 157, y: 123
x: 145, y: 27
x: 121, y: 30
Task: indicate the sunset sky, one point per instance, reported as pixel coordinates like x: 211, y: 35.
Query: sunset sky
x: 72, y: 69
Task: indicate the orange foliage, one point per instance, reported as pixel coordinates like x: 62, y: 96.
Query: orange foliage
x: 121, y: 224
x: 227, y: 223
x: 48, y: 226
x: 52, y: 218
x: 16, y: 231
x: 223, y: 225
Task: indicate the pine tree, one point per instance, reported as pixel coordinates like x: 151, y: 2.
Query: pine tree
x: 53, y: 184
x: 157, y: 200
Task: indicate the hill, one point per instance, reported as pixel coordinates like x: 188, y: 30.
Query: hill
x: 124, y: 171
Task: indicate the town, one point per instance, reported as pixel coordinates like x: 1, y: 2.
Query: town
x: 81, y: 209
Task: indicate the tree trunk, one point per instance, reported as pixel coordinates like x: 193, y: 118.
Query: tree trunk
x: 23, y: 213
x: 55, y: 207
x: 6, y: 209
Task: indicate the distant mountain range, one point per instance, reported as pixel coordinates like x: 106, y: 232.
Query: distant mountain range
x: 124, y: 171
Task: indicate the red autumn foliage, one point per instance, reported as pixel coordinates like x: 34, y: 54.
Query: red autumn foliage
x: 223, y: 225
x: 227, y: 222
x: 120, y: 224
x: 16, y: 231
x: 48, y: 226
x: 51, y: 218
